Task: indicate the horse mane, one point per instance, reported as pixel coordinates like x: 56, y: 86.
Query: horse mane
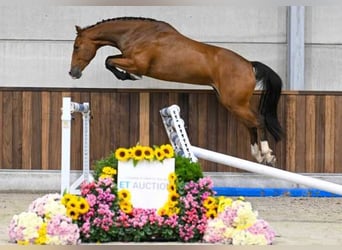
x: 121, y: 19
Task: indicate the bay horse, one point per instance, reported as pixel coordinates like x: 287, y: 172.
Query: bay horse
x: 156, y: 49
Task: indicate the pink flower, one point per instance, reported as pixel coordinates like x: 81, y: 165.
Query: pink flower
x: 262, y: 227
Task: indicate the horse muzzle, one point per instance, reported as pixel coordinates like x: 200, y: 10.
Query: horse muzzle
x: 75, y: 73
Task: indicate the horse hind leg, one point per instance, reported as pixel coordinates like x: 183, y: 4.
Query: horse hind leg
x: 266, y: 151
x: 255, y: 150
x: 249, y: 119
x: 262, y: 154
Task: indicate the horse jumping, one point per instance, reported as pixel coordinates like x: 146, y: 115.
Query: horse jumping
x: 155, y: 49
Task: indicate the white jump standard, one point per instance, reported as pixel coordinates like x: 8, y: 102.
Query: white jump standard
x: 175, y: 130
x: 68, y: 109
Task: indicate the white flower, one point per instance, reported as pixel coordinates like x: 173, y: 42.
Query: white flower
x: 30, y: 223
x: 53, y: 208
x: 247, y: 238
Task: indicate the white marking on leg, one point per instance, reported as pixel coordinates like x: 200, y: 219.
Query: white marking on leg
x: 256, y: 152
x: 267, y: 153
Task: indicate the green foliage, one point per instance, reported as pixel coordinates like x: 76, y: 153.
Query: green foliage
x: 109, y: 161
x: 186, y: 170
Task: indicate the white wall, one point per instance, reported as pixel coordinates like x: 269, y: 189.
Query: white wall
x: 323, y: 49
x: 36, y: 42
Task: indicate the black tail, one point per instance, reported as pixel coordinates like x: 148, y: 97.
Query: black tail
x: 272, y: 85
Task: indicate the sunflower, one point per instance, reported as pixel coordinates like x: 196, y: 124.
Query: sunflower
x: 72, y: 203
x: 174, y: 210
x: 122, y: 154
x: 172, y: 204
x: 163, y: 211
x: 171, y: 187
x: 73, y: 213
x: 209, y: 202
x: 160, y: 155
x: 138, y: 153
x: 83, y: 205
x: 211, y: 214
x: 172, y: 177
x: 126, y: 207
x: 173, y: 197
x: 124, y: 195
x: 168, y: 150
x: 66, y: 198
x: 148, y: 153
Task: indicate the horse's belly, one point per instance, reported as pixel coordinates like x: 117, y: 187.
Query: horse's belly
x: 184, y: 71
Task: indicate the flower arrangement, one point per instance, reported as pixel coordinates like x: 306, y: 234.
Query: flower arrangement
x: 235, y: 222
x: 138, y: 153
x: 111, y: 216
x: 45, y: 223
x: 103, y: 213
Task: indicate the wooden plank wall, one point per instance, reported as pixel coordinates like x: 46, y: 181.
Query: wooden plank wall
x: 30, y: 132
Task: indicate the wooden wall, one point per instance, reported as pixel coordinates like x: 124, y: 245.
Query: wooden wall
x: 30, y: 126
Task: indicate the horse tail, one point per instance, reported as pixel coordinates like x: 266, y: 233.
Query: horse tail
x: 270, y: 95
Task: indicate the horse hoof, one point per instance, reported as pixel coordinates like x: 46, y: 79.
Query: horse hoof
x: 271, y: 162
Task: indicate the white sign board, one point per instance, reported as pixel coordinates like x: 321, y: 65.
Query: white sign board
x: 147, y: 181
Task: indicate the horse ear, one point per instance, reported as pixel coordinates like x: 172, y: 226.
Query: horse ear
x: 78, y: 29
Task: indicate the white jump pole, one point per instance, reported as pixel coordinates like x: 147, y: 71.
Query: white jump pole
x: 66, y: 138
x: 171, y: 122
x: 68, y: 108
x: 266, y: 170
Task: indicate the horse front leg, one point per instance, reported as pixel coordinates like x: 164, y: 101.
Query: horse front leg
x: 121, y: 75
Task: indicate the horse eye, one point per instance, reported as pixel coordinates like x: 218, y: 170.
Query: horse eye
x: 76, y: 47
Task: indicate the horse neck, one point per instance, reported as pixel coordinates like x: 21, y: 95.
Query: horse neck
x: 115, y: 33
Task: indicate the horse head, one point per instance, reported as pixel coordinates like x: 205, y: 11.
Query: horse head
x: 84, y: 51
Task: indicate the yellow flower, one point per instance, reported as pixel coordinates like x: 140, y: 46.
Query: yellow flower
x: 175, y: 210
x: 83, y: 206
x: 73, y: 213
x: 223, y: 202
x: 126, y: 207
x: 171, y: 187
x: 148, y: 153
x: 172, y: 177
x: 124, y: 195
x: 66, y: 198
x: 173, y: 197
x: 172, y: 203
x: 138, y: 153
x: 168, y: 150
x: 160, y: 155
x: 122, y: 154
x: 211, y: 213
x: 104, y: 176
x: 42, y: 231
x: 209, y: 202
x: 245, y: 218
x: 72, y: 203
x: 23, y: 242
x: 163, y: 211
x: 109, y: 171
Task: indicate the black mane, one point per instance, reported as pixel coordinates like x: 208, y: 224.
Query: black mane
x: 121, y: 19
